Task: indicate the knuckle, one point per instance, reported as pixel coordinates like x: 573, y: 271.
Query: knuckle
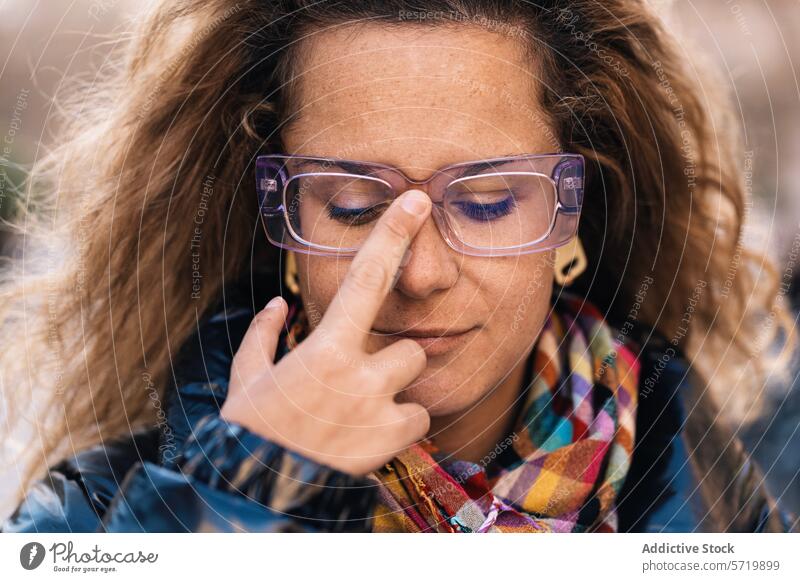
x: 369, y: 274
x: 416, y: 419
x: 382, y: 389
x: 413, y: 351
x: 423, y: 422
x: 323, y: 343
x: 375, y: 383
x: 406, y: 355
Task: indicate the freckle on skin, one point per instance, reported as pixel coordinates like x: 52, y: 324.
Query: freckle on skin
x: 425, y: 118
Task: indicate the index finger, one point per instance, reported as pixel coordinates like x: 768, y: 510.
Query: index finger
x: 372, y: 272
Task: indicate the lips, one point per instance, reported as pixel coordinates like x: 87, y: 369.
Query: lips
x: 435, y: 342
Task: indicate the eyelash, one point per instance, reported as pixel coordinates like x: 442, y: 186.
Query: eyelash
x: 353, y: 216
x: 487, y: 212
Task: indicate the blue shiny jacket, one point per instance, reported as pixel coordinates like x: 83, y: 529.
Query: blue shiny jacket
x: 194, y: 472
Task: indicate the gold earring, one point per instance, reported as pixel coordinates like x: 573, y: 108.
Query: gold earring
x: 290, y: 278
x: 570, y: 262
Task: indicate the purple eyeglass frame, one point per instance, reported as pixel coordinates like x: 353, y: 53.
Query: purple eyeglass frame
x: 565, y: 171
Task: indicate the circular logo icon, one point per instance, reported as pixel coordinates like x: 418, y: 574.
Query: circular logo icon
x: 31, y: 555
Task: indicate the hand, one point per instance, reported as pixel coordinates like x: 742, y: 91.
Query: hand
x: 328, y: 399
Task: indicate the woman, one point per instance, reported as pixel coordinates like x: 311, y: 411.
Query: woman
x: 453, y: 349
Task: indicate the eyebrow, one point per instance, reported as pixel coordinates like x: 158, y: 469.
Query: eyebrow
x: 346, y: 165
x: 478, y: 167
x: 469, y: 169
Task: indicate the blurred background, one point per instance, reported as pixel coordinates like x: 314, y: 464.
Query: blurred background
x: 45, y: 45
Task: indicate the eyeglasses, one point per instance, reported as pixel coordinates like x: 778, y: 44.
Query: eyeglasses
x: 496, y: 207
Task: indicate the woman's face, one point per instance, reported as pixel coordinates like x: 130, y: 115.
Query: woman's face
x: 420, y: 98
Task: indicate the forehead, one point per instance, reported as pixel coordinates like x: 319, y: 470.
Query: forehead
x: 418, y: 97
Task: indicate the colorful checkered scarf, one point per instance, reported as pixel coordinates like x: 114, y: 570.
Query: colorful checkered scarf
x: 560, y: 470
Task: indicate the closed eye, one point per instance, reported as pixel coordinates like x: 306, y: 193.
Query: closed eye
x: 486, y: 212
x: 354, y: 216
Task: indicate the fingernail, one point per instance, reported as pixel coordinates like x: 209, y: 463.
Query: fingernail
x: 415, y: 202
x: 274, y: 303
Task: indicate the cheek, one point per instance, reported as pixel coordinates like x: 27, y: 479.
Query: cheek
x: 320, y: 278
x: 519, y: 291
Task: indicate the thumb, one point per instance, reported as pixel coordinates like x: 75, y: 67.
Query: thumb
x: 257, y: 350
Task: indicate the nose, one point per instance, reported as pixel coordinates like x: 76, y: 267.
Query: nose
x: 430, y: 266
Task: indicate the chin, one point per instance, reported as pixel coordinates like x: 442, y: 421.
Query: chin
x: 441, y: 396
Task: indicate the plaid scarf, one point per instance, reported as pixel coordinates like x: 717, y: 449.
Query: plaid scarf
x: 562, y: 467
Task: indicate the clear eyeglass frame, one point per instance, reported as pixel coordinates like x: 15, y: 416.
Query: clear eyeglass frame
x: 278, y: 176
